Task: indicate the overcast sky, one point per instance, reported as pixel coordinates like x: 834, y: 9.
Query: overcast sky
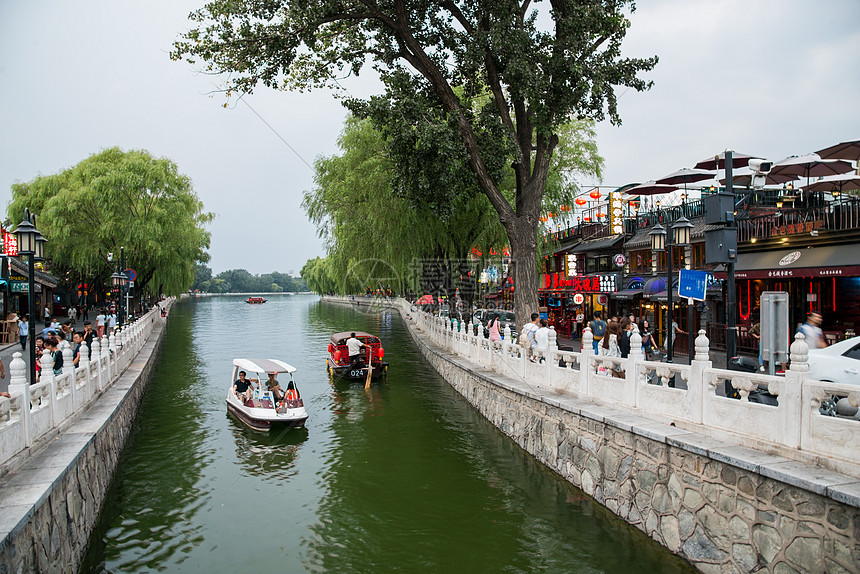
x: 765, y: 77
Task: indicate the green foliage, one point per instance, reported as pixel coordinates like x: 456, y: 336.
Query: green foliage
x: 480, y: 83
x: 119, y: 199
x: 242, y: 281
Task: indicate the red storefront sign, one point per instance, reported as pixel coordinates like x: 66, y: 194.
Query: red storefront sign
x: 793, y: 228
x: 579, y: 283
x: 10, y: 243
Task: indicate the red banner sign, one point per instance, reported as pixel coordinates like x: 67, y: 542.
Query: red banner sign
x: 10, y: 243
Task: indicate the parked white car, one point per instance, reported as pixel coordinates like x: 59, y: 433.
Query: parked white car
x: 838, y: 363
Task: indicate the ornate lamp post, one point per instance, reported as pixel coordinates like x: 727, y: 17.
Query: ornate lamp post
x: 660, y: 242
x: 30, y: 243
x: 118, y: 280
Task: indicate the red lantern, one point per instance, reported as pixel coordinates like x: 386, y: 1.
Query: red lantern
x: 330, y: 348
x: 542, y: 219
x: 580, y: 201
x: 601, y: 215
x: 595, y: 194
x: 337, y: 355
x: 380, y: 352
x: 512, y: 288
x: 586, y: 219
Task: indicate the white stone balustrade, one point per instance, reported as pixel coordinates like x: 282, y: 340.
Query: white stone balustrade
x: 35, y: 413
x: 684, y: 395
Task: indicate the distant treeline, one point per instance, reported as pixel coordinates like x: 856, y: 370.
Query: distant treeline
x: 241, y: 281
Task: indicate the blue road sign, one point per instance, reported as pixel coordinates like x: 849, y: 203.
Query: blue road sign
x: 692, y: 284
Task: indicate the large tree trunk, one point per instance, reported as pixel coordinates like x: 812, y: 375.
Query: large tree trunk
x: 523, y: 238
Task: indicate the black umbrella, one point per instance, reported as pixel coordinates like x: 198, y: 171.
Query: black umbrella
x: 844, y: 150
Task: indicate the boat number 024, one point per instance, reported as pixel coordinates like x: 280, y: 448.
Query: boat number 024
x: 356, y: 372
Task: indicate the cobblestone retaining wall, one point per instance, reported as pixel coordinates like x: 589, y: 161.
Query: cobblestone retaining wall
x: 51, y: 505
x: 719, y: 516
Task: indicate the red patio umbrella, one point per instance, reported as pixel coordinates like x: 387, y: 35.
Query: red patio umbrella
x: 651, y: 188
x: 845, y: 150
x: 810, y: 165
x: 743, y: 176
x: 840, y: 183
x: 425, y: 300
x: 719, y: 161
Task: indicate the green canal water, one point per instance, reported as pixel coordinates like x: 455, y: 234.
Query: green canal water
x: 405, y: 478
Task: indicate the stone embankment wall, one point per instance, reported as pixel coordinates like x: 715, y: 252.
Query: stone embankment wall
x: 50, y: 505
x: 716, y: 510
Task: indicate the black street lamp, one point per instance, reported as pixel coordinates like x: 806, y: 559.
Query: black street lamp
x: 661, y: 241
x: 118, y: 280
x: 31, y: 244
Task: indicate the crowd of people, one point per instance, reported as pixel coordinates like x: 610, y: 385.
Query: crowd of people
x: 54, y: 332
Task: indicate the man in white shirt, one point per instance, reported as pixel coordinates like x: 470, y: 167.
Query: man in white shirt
x: 354, y: 346
x: 812, y: 331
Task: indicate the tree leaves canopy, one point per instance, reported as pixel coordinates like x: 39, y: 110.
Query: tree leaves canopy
x: 525, y: 69
x: 119, y: 199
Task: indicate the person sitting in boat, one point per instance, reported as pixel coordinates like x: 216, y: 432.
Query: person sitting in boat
x: 243, y: 386
x: 354, y: 346
x: 273, y: 385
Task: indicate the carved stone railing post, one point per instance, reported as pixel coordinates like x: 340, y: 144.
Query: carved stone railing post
x: 84, y: 365
x: 47, y: 376
x: 586, y: 362
x: 633, y: 366
x: 95, y: 357
x: 106, y: 357
x: 18, y: 384
x: 697, y: 386
x: 790, y: 391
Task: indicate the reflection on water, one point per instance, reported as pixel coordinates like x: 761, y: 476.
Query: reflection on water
x: 267, y: 454
x: 405, y: 477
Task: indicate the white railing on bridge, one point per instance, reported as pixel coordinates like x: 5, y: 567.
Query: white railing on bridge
x: 684, y: 395
x: 34, y: 413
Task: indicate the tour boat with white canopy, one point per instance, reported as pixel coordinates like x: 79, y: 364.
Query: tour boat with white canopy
x: 264, y: 401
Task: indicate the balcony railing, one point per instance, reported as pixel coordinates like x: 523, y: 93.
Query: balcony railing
x: 840, y: 215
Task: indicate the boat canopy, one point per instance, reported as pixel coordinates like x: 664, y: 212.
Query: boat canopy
x: 337, y: 337
x: 264, y: 366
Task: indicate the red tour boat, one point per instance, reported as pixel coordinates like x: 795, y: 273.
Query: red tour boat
x: 338, y: 356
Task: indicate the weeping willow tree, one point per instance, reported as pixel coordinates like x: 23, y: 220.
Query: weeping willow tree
x: 117, y: 199
x: 376, y: 235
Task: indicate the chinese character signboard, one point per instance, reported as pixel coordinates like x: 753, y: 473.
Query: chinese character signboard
x: 10, y: 244
x: 616, y: 213
x: 591, y: 284
x: 571, y: 264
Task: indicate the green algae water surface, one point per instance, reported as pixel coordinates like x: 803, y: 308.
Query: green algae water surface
x: 404, y: 478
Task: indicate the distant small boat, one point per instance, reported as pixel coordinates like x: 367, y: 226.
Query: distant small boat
x: 255, y: 300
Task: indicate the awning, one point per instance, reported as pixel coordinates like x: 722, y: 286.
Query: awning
x: 626, y: 294
x: 598, y: 244
x: 564, y: 247
x: 654, y: 285
x: 21, y: 268
x: 828, y: 261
